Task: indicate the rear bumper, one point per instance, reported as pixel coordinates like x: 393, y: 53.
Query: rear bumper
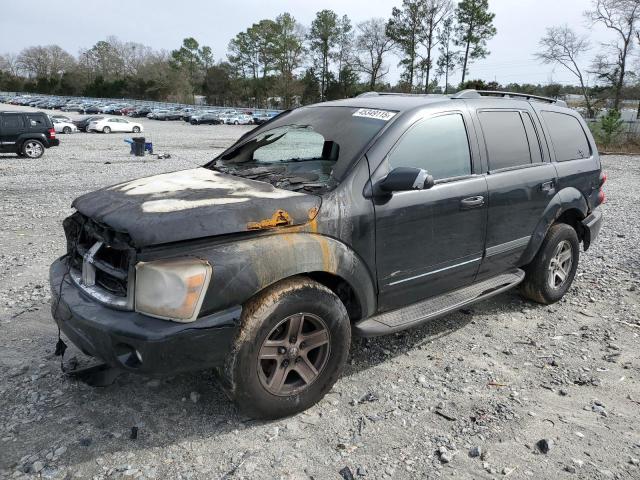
x: 54, y: 142
x: 592, y: 225
x: 136, y: 342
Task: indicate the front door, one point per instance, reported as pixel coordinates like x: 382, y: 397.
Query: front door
x: 430, y: 241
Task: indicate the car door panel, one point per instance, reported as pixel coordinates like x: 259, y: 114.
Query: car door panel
x: 430, y: 241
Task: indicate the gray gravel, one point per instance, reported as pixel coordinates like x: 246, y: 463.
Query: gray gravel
x: 505, y: 388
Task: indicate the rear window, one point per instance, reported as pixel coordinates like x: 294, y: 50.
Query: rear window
x: 505, y: 138
x: 567, y: 136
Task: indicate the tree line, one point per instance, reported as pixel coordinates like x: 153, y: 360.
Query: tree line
x: 280, y: 62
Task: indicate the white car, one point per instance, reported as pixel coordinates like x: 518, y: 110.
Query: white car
x: 239, y: 119
x: 111, y: 124
x: 61, y: 126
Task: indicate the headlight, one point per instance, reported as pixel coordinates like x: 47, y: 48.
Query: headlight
x: 172, y: 289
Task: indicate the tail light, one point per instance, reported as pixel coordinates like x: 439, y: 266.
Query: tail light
x: 601, y: 196
x: 52, y: 133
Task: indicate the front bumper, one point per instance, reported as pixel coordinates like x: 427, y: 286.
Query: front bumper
x: 136, y: 342
x: 592, y: 225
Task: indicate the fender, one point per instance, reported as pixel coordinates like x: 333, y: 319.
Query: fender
x: 566, y: 199
x: 242, y: 268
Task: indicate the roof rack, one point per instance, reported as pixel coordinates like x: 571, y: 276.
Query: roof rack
x: 396, y: 94
x: 471, y: 93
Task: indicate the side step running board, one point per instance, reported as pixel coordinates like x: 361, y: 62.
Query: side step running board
x: 421, y: 312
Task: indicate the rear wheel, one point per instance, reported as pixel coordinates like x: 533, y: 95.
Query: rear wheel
x: 66, y: 130
x: 551, y: 273
x: 106, y: 130
x: 32, y: 149
x: 136, y: 129
x: 293, y: 343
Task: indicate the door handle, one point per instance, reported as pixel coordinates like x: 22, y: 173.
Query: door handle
x: 547, y: 186
x: 472, y: 202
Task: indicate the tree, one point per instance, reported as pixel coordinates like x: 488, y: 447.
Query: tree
x: 621, y: 16
x: 436, y: 12
x: 562, y: 46
x: 190, y: 57
x: 406, y: 29
x: 288, y: 53
x: 474, y: 28
x: 343, y: 55
x: 448, y: 58
x: 45, y: 62
x: 372, y: 44
x: 610, y: 127
x: 323, y: 37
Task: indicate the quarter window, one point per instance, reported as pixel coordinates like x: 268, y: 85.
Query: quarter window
x: 438, y: 145
x: 568, y: 137
x: 505, y: 138
x: 12, y: 121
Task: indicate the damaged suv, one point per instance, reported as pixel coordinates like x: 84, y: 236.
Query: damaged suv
x: 359, y: 217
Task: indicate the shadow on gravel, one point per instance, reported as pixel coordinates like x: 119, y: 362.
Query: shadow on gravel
x: 99, y: 421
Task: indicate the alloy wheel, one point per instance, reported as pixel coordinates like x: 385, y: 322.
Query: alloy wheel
x: 560, y: 264
x: 33, y: 149
x: 294, y: 354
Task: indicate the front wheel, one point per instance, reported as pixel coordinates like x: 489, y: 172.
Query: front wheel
x: 66, y: 130
x: 136, y: 129
x: 106, y: 130
x: 33, y: 149
x: 551, y: 273
x: 293, y: 343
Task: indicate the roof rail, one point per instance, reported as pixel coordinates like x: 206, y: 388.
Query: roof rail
x: 471, y: 93
x: 396, y: 94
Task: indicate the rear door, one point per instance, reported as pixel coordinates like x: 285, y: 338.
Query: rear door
x: 521, y: 181
x: 11, y: 127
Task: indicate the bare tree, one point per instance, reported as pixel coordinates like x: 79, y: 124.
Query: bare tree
x: 436, y: 11
x: 373, y: 44
x: 621, y: 16
x: 562, y: 46
x: 44, y: 61
x: 9, y: 63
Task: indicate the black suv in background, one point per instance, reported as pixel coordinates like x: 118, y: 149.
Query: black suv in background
x: 364, y: 216
x: 27, y: 134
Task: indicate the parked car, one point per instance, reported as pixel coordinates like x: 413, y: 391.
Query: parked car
x: 61, y: 126
x: 260, y: 118
x: 28, y: 134
x: 205, y: 118
x: 364, y: 216
x: 238, y: 119
x: 83, y: 123
x: 64, y: 118
x: 108, y: 125
x: 139, y: 112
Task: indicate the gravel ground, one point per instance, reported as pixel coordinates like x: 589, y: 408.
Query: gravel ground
x: 505, y: 388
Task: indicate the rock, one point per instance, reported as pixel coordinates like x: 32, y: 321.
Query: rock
x: 600, y: 409
x: 634, y: 461
x: 85, y: 442
x: 37, y: 466
x: 475, y: 451
x: 194, y: 396
x: 60, y: 451
x: 346, y: 473
x: 446, y: 455
x: 544, y: 445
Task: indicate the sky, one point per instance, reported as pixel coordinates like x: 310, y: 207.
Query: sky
x: 162, y: 24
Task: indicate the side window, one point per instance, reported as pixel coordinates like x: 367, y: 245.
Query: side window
x: 438, y: 145
x: 36, y: 120
x: 12, y: 121
x: 505, y: 139
x: 568, y: 137
x: 532, y: 136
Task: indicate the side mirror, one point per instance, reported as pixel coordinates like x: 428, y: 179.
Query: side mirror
x: 402, y: 179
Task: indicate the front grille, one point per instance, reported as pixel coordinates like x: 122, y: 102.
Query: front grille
x: 101, y: 261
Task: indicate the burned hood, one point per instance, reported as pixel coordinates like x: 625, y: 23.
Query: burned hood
x: 194, y: 203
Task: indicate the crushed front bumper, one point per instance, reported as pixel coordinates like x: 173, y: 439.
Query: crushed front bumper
x: 592, y: 225
x: 136, y: 342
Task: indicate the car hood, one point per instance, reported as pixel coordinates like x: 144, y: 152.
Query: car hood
x: 195, y: 203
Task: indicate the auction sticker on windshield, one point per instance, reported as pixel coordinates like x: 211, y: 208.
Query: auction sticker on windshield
x: 373, y: 113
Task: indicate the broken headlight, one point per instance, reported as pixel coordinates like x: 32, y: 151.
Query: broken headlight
x: 172, y: 289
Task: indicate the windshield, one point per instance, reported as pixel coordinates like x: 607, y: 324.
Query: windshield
x: 308, y: 149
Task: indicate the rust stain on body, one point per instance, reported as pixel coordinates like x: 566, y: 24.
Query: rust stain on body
x: 279, y: 219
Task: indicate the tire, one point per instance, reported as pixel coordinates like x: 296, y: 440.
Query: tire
x: 106, y: 130
x: 236, y: 122
x: 136, y: 129
x: 66, y: 130
x: 32, y: 149
x: 252, y: 382
x: 551, y: 273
